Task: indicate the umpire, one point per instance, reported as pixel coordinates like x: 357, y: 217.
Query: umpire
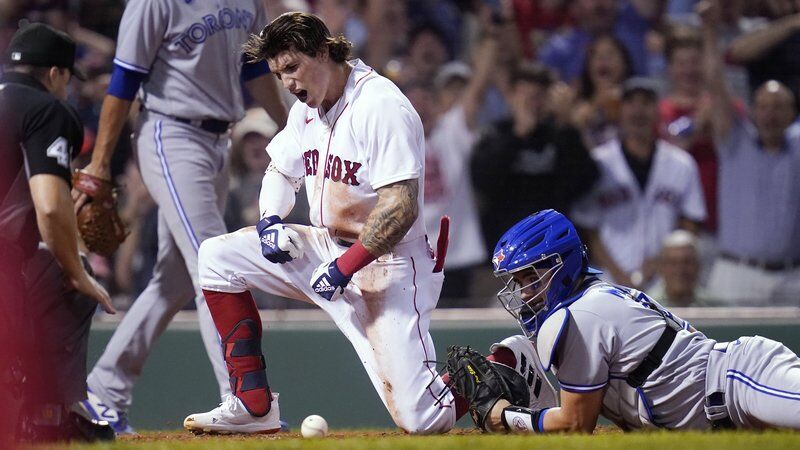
x: 47, y: 294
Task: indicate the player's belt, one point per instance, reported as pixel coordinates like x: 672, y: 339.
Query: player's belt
x: 211, y: 125
x: 653, y: 360
x: 344, y: 238
x: 771, y: 266
x: 717, y: 401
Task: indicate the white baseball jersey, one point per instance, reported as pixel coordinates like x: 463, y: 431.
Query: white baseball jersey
x: 190, y: 50
x: 353, y: 150
x: 448, y: 188
x: 633, y: 223
x: 372, y: 137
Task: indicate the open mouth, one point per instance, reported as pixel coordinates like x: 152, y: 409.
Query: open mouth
x: 302, y: 95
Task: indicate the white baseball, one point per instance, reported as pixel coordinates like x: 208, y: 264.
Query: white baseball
x: 314, y: 426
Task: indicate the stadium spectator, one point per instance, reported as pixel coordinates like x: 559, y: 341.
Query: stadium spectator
x: 759, y: 161
x: 450, y: 135
x: 679, y: 273
x: 630, y: 21
x: 536, y: 20
x: 248, y: 160
x: 388, y: 31
x: 647, y: 188
x: 343, y: 17
x: 596, y: 113
x: 528, y: 162
x: 445, y: 16
x: 685, y: 112
x: 427, y: 52
x: 771, y: 52
x: 680, y: 11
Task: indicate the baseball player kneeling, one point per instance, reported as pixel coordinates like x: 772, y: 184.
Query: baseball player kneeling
x: 356, y: 142
x: 615, y: 352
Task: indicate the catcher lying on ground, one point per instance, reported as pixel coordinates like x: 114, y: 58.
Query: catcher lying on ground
x: 614, y: 350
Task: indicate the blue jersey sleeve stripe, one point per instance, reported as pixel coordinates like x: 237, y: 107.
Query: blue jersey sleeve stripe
x: 130, y: 66
x: 254, y: 70
x: 581, y: 388
x: 125, y: 83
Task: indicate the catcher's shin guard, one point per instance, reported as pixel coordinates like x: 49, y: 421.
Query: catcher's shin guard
x: 239, y: 325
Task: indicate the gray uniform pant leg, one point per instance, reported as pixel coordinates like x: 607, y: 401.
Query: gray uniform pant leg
x: 183, y: 168
x: 763, y: 384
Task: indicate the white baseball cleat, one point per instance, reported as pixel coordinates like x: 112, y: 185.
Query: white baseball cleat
x: 231, y: 417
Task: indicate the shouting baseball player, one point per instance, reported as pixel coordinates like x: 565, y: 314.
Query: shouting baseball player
x: 618, y: 353
x: 357, y: 143
x: 184, y: 59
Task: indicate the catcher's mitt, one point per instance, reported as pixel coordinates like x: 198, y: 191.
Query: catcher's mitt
x: 101, y: 228
x: 482, y: 383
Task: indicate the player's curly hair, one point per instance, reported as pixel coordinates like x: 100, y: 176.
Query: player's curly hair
x: 299, y: 31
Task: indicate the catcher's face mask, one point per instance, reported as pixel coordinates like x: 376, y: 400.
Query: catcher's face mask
x: 524, y: 294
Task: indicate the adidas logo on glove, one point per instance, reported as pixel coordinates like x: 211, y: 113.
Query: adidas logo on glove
x: 268, y: 238
x: 328, y: 282
x: 323, y: 286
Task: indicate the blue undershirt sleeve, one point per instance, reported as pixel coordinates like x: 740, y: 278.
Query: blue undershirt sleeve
x: 251, y: 70
x: 125, y: 83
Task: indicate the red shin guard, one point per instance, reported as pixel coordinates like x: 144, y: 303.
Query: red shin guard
x: 239, y: 325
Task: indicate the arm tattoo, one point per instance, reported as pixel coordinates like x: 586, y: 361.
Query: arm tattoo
x: 391, y: 217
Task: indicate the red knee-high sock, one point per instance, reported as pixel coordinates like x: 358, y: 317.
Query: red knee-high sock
x: 502, y: 355
x: 239, y: 325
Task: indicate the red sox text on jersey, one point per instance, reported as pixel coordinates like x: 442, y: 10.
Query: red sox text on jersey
x: 336, y: 168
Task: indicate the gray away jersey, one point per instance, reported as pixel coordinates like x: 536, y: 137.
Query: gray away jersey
x: 191, y: 51
x: 604, y: 336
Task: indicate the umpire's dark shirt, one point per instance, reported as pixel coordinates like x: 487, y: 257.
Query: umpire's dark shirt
x: 39, y: 134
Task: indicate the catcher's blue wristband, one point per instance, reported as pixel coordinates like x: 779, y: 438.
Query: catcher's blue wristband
x: 519, y: 419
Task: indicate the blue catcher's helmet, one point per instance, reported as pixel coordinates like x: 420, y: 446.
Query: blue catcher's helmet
x: 548, y: 244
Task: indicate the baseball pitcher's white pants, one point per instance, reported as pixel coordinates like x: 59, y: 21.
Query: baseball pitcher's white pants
x: 183, y: 167
x: 760, y: 379
x: 385, y: 312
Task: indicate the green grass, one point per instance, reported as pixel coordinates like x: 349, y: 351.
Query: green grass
x: 462, y: 440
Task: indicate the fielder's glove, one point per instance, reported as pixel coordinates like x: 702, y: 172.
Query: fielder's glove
x: 328, y: 281
x: 279, y: 243
x: 101, y: 228
x: 482, y: 383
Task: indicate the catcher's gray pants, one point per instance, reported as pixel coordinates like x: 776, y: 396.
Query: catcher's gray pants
x: 183, y: 167
x: 760, y: 379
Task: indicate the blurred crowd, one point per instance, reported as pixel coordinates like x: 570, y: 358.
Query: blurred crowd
x: 666, y: 129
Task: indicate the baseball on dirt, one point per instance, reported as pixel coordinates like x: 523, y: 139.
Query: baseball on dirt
x: 314, y: 426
